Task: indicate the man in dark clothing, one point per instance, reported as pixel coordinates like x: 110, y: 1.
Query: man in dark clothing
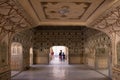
x: 60, y: 55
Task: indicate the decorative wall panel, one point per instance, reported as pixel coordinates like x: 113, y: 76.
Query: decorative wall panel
x: 97, y: 49
x: 25, y: 38
x: 74, y: 39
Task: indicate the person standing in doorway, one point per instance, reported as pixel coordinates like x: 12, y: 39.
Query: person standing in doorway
x: 63, y: 56
x: 60, y: 54
x: 52, y: 53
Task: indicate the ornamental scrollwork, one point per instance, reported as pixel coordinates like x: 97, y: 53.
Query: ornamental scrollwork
x: 110, y: 21
x: 12, y: 18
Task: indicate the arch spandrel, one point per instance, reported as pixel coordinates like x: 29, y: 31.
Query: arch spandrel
x: 109, y: 22
x: 12, y: 18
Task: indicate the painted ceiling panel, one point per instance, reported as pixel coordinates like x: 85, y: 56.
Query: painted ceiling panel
x: 61, y: 10
x: 56, y: 12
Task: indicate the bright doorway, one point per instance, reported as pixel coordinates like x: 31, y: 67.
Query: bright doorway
x: 31, y: 56
x: 54, y: 57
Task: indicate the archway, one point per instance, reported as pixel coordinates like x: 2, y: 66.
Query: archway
x: 16, y: 58
x: 54, y: 56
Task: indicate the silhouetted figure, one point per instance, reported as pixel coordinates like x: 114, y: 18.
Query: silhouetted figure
x: 61, y: 55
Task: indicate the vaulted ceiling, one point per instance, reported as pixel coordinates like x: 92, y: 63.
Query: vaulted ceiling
x: 18, y: 15
x: 65, y: 12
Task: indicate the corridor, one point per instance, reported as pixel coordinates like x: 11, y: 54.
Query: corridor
x: 59, y: 72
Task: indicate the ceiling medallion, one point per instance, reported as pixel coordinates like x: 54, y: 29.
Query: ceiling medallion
x: 64, y: 11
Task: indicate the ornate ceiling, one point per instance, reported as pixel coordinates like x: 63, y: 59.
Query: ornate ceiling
x: 65, y: 12
x: 17, y: 15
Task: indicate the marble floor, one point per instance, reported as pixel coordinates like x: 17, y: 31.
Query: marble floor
x: 59, y: 70
x: 13, y: 73
x: 104, y: 72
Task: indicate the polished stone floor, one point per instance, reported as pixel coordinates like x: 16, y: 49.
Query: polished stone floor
x: 59, y: 71
x: 13, y: 73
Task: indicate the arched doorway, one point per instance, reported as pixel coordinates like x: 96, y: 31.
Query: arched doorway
x: 16, y: 58
x: 54, y: 56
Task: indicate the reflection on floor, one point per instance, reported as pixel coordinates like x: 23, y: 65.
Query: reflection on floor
x: 57, y: 61
x: 59, y: 72
x: 104, y: 71
x: 13, y: 73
